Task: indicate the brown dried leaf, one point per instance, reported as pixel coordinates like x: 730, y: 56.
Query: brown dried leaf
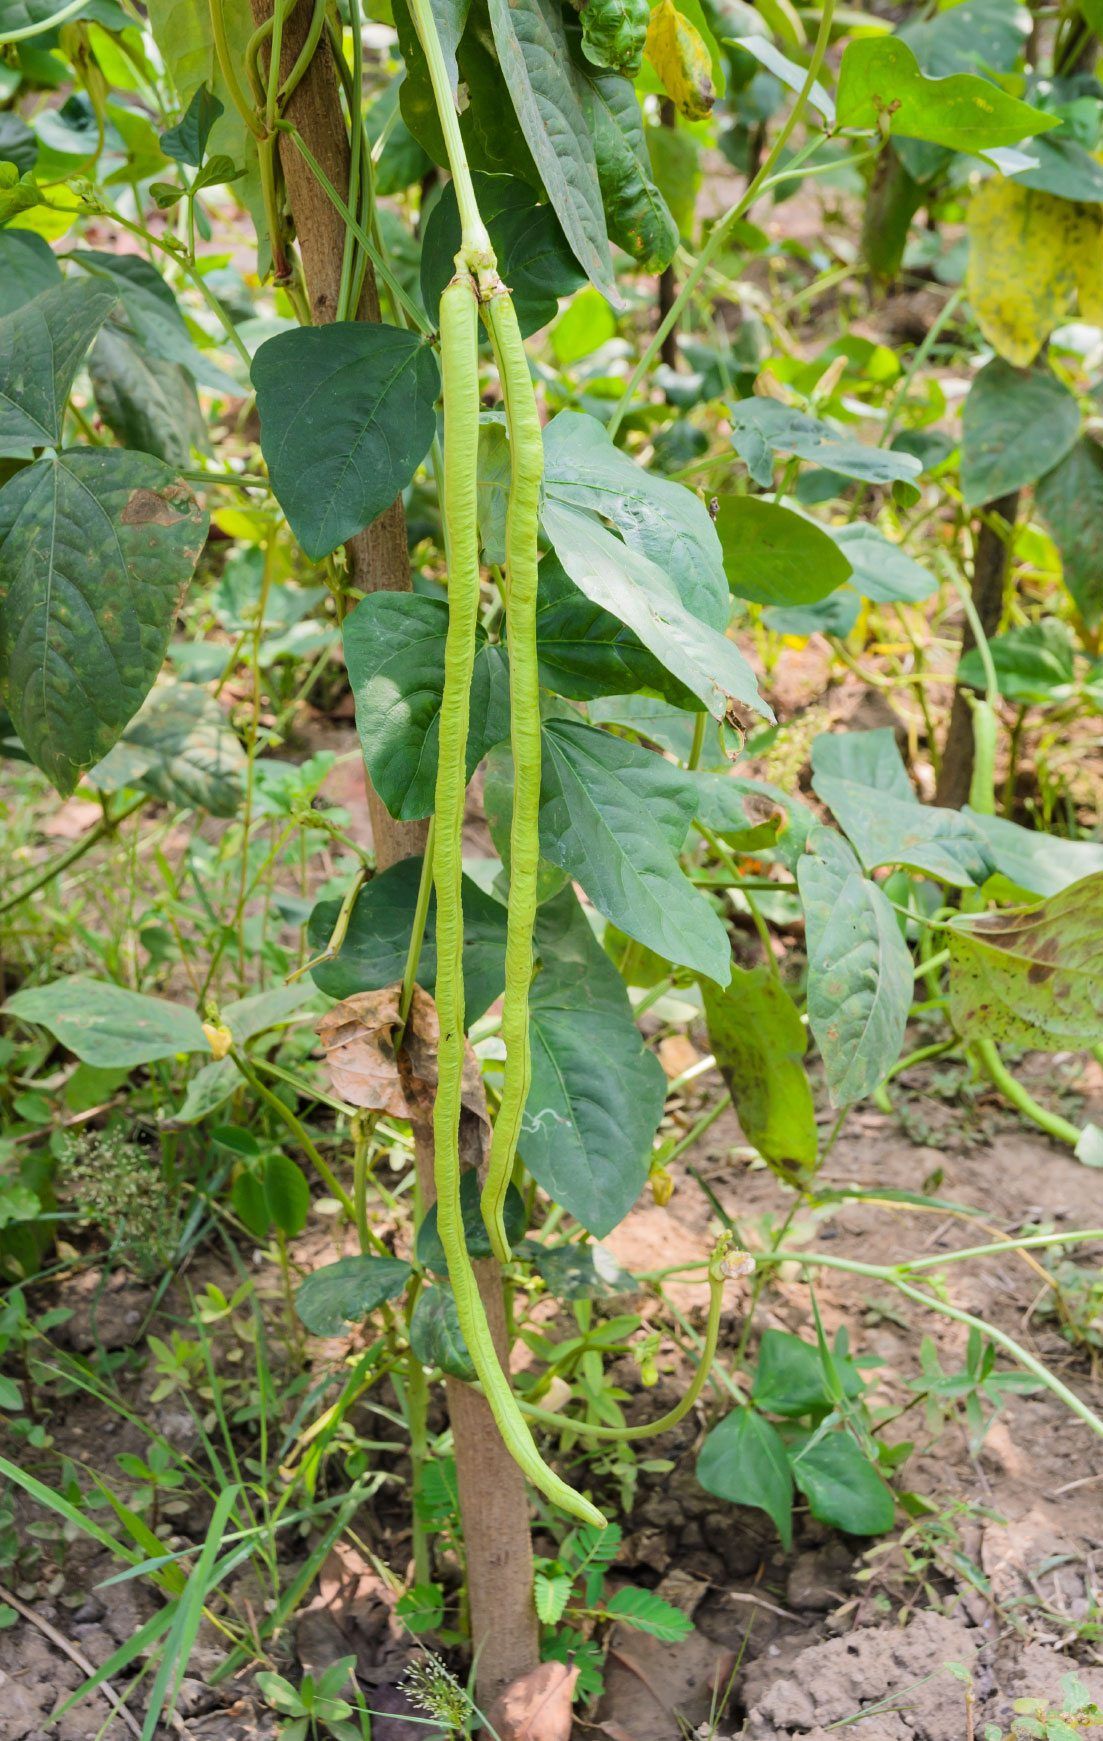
x: 358, y: 1038
x: 537, y: 1707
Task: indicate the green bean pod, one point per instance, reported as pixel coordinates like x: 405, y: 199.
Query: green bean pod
x: 982, y: 786
x: 526, y: 461
x: 459, y: 334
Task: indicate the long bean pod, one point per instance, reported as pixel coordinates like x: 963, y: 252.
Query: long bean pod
x: 526, y: 458
x: 459, y: 366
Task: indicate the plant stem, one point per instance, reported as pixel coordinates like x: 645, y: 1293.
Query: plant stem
x: 993, y: 1066
x: 723, y: 225
x: 475, y: 245
x: 324, y: 1170
x: 106, y: 825
x: 417, y: 933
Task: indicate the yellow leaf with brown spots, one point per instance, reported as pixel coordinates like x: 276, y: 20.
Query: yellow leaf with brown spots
x: 1031, y: 255
x: 677, y: 51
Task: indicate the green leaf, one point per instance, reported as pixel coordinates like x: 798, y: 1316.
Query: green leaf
x: 208, y: 1089
x: 18, y: 143
x: 597, y: 1093
x: 645, y: 1612
x: 639, y: 593
x: 28, y: 266
x: 248, y: 1016
x: 841, y: 1485
x: 18, y: 193
x: 421, y: 1608
x: 586, y: 652
x: 1070, y: 501
x: 108, y: 1025
x: 985, y: 35
x: 187, y: 141
x: 286, y: 1193
x: 435, y: 1335
x: 180, y: 747
x: 489, y: 127
x: 578, y: 1272
x: 1029, y: 976
x: 660, y: 520
x: 374, y: 951
x: 743, y: 1460
x: 42, y: 345
x: 151, y: 314
x: 859, y: 969
x: 551, y: 1595
x: 881, y: 86
x: 534, y: 256
x: 347, y: 416
x: 147, y: 403
x: 759, y: 1041
x: 430, y: 1251
x: 536, y: 64
x: 1041, y: 864
x: 394, y: 650
x: 615, y: 817
x: 343, y: 1293
x: 1034, y: 663
x: 1017, y: 424
x: 1064, y: 168
x: 776, y: 557
x: 637, y: 216
x: 790, y: 1380
x: 752, y: 816
x: 96, y: 548
x: 880, y: 813
x: 764, y: 427
x: 882, y: 571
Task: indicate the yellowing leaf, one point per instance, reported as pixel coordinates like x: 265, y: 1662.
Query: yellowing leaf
x: 1030, y: 255
x: 678, y: 53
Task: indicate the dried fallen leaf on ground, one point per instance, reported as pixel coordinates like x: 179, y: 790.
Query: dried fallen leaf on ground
x: 537, y: 1707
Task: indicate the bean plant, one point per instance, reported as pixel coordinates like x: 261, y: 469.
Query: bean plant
x: 328, y: 365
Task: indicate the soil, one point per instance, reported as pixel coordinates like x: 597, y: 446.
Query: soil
x: 785, y: 1644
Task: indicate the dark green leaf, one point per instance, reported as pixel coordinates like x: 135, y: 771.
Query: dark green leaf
x: 744, y: 1461
x: 614, y: 817
x: 18, y: 144
x: 1034, y: 663
x: 578, y: 1272
x: 644, y: 1611
x: 96, y: 548
x: 1017, y: 424
x: 27, y: 268
x: 597, y: 1093
x: 977, y: 35
x: 586, y: 652
x: 180, y: 747
x: 490, y: 129
x: 435, y: 1335
x: 286, y: 1193
x: 343, y: 1293
x: 1029, y: 976
x: 880, y: 84
x: 42, y: 345
x: 147, y: 403
x: 347, y: 416
x: 1070, y: 501
x: 536, y: 63
x: 841, y: 1485
x: 394, y: 650
x: 759, y: 1041
x: 774, y: 556
x: 187, y: 141
x: 374, y: 951
x: 108, y: 1025
x: 752, y: 816
x: 1063, y: 168
x: 859, y: 969
x: 534, y: 257
x: 430, y: 1251
x: 834, y: 615
x: 151, y: 314
x: 637, y: 216
x: 790, y: 1380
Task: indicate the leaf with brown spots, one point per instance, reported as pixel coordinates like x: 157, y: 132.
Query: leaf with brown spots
x: 537, y: 1707
x: 1032, y: 976
x: 97, y: 546
x: 359, y: 1037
